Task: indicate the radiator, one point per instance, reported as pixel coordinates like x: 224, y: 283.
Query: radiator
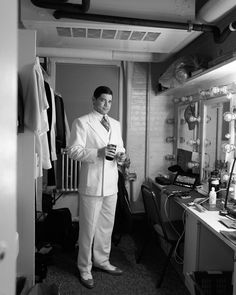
x: 69, y: 174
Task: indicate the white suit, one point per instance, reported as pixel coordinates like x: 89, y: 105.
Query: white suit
x: 97, y: 186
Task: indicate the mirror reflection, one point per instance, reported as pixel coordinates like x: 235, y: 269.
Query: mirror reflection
x: 216, y: 135
x: 188, y: 127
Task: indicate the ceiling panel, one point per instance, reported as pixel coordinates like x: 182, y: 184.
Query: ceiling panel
x: 79, y: 34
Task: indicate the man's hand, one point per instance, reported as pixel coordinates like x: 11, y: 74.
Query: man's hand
x: 120, y: 158
x: 107, y: 151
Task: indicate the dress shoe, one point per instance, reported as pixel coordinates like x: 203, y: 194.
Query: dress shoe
x: 86, y: 279
x: 111, y: 269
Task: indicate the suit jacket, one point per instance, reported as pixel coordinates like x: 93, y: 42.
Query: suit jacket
x: 98, y: 177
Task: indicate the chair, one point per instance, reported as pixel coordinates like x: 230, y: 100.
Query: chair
x: 168, y: 231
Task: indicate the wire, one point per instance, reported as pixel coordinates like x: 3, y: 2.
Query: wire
x: 179, y: 259
x: 167, y: 216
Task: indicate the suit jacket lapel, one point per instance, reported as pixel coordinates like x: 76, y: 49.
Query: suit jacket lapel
x: 98, y: 128
x: 113, y: 133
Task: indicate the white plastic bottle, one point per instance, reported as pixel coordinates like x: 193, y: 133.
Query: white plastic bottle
x: 212, y: 197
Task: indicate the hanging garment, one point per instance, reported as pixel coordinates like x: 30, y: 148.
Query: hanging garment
x: 51, y: 173
x: 53, y: 128
x: 35, y: 113
x: 60, y: 124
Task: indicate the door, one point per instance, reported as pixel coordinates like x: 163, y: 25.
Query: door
x: 8, y: 95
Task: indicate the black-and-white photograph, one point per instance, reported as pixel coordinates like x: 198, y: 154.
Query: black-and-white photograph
x: 118, y: 147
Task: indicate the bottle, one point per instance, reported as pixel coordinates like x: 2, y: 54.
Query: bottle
x: 212, y: 197
x: 214, y: 181
x: 233, y: 187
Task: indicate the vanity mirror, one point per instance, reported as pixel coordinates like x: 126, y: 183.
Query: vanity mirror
x: 187, y: 126
x: 217, y: 140
x: 187, y: 135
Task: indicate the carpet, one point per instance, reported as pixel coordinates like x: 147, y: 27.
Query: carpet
x: 137, y: 278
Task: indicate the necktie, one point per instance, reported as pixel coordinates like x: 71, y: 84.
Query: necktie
x: 105, y: 123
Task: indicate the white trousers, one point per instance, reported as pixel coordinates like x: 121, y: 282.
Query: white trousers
x: 96, y: 220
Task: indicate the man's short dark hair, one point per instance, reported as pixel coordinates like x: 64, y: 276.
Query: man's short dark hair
x: 100, y: 90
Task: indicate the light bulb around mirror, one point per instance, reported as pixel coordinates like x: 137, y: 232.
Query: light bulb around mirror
x: 170, y: 157
x: 225, y: 178
x: 229, y: 95
x: 170, y: 139
x: 193, y: 165
x: 182, y: 121
x: 193, y: 141
x: 224, y: 89
x: 170, y: 121
x: 208, y: 119
x: 228, y: 148
x: 214, y: 91
x: 176, y: 100
x: 228, y: 116
x: 194, y: 119
x: 207, y: 142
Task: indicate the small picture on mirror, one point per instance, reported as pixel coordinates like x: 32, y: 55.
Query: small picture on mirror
x: 189, y: 113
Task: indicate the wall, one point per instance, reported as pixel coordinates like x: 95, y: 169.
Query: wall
x: 77, y: 82
x: 146, y: 129
x: 161, y: 109
x: 136, y: 127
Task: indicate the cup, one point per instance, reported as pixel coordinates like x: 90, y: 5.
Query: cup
x: 112, y: 148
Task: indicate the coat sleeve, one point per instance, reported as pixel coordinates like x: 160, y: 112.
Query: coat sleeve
x: 120, y: 144
x: 77, y: 149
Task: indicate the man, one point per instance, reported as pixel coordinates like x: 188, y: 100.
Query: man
x: 89, y: 143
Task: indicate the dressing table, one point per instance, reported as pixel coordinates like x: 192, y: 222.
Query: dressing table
x: 205, y: 248
x: 204, y: 127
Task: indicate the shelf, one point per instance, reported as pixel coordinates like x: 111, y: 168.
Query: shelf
x: 221, y: 74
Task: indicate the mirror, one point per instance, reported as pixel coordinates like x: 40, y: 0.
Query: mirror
x: 187, y: 126
x: 217, y: 135
x: 187, y: 136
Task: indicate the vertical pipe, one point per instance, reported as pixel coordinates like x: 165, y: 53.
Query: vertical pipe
x: 218, y: 136
x: 66, y: 172
x: 62, y: 171
x: 71, y: 174
x: 75, y: 175
x: 147, y: 133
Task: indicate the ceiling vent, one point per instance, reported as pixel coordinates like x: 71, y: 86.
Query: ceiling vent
x: 107, y: 34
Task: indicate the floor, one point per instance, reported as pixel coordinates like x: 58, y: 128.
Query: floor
x: 137, y: 278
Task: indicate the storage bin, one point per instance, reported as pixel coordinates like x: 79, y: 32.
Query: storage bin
x: 212, y: 282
